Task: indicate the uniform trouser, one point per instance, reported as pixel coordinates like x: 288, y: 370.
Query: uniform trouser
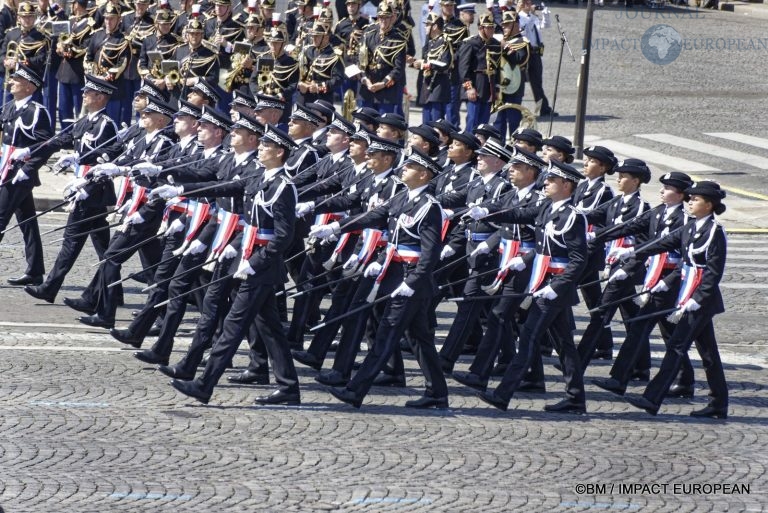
x: 452, y: 115
x: 255, y: 302
x: 182, y: 282
x: 635, y: 351
x: 73, y: 243
x: 114, y: 110
x: 545, y: 316
x: 50, y: 96
x: 692, y: 326
x: 508, y: 120
x: 433, y: 111
x: 593, y: 294
x: 401, y: 314
x: 599, y: 322
x: 468, y: 312
x: 142, y: 323
x: 501, y: 330
x: 341, y: 297
x: 116, y: 255
x: 535, y: 72
x: 478, y: 112
x: 70, y: 102
x: 307, y: 306
x: 383, y: 108
x: 17, y: 199
x: 129, y: 87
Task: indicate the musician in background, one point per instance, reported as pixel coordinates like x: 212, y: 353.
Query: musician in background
x: 320, y: 67
x: 70, y: 72
x: 107, y: 57
x: 244, y: 63
x: 222, y: 30
x: 479, y: 71
x: 163, y: 41
x: 434, y: 71
x: 25, y: 44
x: 515, y: 51
x: 196, y: 62
x: 137, y: 26
x: 284, y: 76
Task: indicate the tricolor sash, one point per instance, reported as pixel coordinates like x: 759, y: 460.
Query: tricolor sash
x: 328, y: 264
x: 621, y: 242
x: 655, y: 268
x: 444, y: 228
x: 254, y: 236
x: 323, y: 219
x: 199, y: 213
x: 123, y: 187
x: 691, y: 278
x: 5, y: 161
x: 542, y: 266
x: 138, y: 199
x: 371, y: 240
x: 177, y: 204
x: 81, y: 170
x: 227, y: 222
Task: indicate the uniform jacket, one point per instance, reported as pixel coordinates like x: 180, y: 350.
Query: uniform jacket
x: 479, y: 65
x: 385, y: 58
x: 24, y: 127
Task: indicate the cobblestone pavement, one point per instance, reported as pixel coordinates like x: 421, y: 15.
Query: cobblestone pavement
x: 85, y: 427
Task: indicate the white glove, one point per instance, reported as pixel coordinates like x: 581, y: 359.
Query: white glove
x: 123, y: 132
x: 447, y: 213
x: 619, y: 275
x: 516, y: 264
x: 478, y: 212
x: 447, y: 252
x: 81, y: 195
x: 243, y: 270
x: 77, y: 183
x: 403, y: 290
x: 690, y: 306
x: 351, y: 262
x: 547, y: 293
x: 621, y: 253
x: 195, y: 248
x: 373, y: 270
x: 67, y: 161
x: 167, y: 191
x: 482, y: 249
x: 20, y: 177
x: 303, y: 209
x: 106, y: 170
x: 659, y: 287
x: 126, y: 207
x: 228, y: 253
x: 176, y: 226
x: 147, y: 168
x: 323, y: 231
x: 590, y: 236
x: 134, y: 218
x: 20, y: 154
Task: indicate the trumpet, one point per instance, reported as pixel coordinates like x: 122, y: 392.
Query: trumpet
x: 238, y: 65
x: 173, y: 76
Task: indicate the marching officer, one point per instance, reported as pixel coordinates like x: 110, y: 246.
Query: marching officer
x: 406, y: 283
x: 435, y: 67
x: 382, y: 61
x: 25, y: 123
x: 479, y: 72
x: 92, y: 136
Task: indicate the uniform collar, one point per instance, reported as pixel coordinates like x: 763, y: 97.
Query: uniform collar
x: 21, y: 103
x: 93, y: 115
x: 701, y: 222
x: 412, y: 193
x: 522, y: 193
x: 271, y: 173
x: 242, y: 157
x: 557, y: 204
x: 210, y: 151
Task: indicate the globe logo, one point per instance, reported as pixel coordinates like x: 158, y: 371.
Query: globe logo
x: 661, y: 44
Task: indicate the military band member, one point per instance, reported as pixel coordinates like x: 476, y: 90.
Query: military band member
x: 8, y: 15
x: 515, y: 51
x: 70, y: 72
x: 91, y: 137
x: 456, y: 31
x: 349, y: 30
x: 137, y: 26
x: 108, y: 56
x: 702, y: 244
x: 223, y: 31
x: 479, y: 72
x: 382, y: 61
x: 25, y: 44
x: 321, y: 68
x: 282, y: 76
x: 435, y: 68
x: 164, y: 41
x: 556, y: 264
x: 25, y: 123
x: 531, y: 25
x: 405, y: 276
x: 270, y: 202
x: 245, y: 63
x: 196, y: 62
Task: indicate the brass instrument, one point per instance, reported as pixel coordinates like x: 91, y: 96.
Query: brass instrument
x: 348, y: 104
x: 238, y: 61
x: 173, y: 76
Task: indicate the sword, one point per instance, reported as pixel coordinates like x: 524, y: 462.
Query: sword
x: 350, y: 313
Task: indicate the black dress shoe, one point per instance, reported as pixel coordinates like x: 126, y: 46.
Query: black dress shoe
x: 405, y: 346
x: 151, y: 357
x: 38, y: 292
x: 155, y: 329
x: 603, y: 354
x: 126, y: 337
x: 493, y: 400
x: 173, y: 371
x: 134, y: 313
x: 566, y: 406
x: 682, y: 391
x: 333, y: 347
x: 546, y: 352
x: 439, y: 403
x: 471, y: 380
x: 332, y: 378
x: 248, y: 377
x: 644, y: 404
x: 710, y: 412
x: 95, y: 320
x: 81, y: 305
x: 549, y: 112
x: 499, y: 370
x: 346, y: 396
x: 308, y: 359
x: 26, y: 279
x: 191, y: 389
x: 389, y: 380
x: 532, y: 387
x: 280, y: 397
x: 611, y: 385
x: 643, y: 375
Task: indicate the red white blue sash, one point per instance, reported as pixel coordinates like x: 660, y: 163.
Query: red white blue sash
x: 542, y: 266
x: 227, y: 222
x: 655, y: 268
x: 371, y: 240
x: 198, y: 213
x: 138, y: 199
x: 254, y: 236
x: 5, y: 161
x: 622, y: 242
x: 177, y: 204
x: 123, y: 187
x: 81, y: 170
x: 691, y: 278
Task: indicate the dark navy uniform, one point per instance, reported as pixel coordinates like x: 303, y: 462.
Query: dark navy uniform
x: 382, y: 58
x: 479, y: 69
